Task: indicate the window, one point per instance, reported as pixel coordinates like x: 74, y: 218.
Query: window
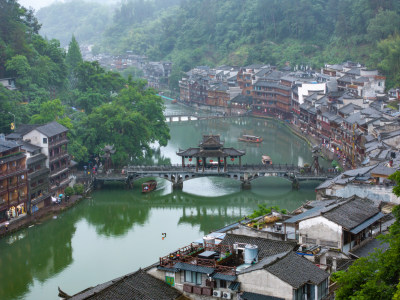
x: 193, y: 277
x: 44, y: 140
x: 222, y: 284
x: 322, y: 289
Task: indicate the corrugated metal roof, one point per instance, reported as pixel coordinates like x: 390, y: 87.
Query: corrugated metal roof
x: 234, y: 286
x: 224, y: 277
x: 367, y: 223
x: 194, y: 268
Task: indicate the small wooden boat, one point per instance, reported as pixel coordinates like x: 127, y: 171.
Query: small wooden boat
x: 250, y: 139
x: 266, y: 160
x: 174, y: 101
x: 149, y: 186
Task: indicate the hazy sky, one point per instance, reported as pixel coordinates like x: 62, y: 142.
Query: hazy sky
x: 36, y: 4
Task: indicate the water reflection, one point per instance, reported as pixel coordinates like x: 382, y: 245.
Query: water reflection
x: 44, y: 251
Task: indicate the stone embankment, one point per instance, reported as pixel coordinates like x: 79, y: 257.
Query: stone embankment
x: 25, y: 220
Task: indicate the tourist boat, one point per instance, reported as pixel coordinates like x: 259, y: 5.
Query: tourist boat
x: 250, y: 138
x: 149, y: 186
x: 174, y: 101
x: 266, y: 160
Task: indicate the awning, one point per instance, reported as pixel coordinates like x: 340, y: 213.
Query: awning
x: 234, y: 286
x: 221, y: 276
x: 367, y: 223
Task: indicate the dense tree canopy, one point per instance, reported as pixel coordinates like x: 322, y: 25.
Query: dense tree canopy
x: 99, y: 107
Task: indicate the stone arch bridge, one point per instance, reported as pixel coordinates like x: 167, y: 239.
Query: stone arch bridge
x: 178, y: 174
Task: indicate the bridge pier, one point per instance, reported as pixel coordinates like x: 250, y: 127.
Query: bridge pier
x: 177, y: 185
x: 246, y: 185
x: 295, y: 184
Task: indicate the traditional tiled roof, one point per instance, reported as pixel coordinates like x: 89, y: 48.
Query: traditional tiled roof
x: 7, y: 145
x: 51, y: 129
x: 134, y: 286
x: 351, y: 213
x: 266, y: 247
x: 370, y: 247
x: 20, y: 131
x: 297, y: 270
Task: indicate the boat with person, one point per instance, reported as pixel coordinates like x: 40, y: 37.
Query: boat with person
x: 250, y: 138
x: 266, y: 160
x: 149, y: 186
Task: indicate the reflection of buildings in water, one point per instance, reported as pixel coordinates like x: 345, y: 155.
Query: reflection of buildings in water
x: 115, y: 218
x: 44, y: 252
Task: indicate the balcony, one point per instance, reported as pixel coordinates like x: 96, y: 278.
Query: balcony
x: 58, y: 156
x: 58, y: 142
x: 12, y: 172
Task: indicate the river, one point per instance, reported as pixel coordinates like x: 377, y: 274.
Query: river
x: 117, y: 231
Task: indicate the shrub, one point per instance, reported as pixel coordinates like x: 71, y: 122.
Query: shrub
x: 79, y: 189
x: 69, y: 191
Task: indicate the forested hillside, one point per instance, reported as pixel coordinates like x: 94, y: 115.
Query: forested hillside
x: 87, y: 21
x: 99, y: 107
x: 247, y: 31
x: 239, y: 32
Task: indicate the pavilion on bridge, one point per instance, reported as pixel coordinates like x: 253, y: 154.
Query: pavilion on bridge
x: 209, y: 149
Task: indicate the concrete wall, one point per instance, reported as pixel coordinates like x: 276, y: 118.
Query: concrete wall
x: 245, y: 230
x: 376, y: 193
x: 320, y: 229
x: 36, y: 138
x: 262, y: 282
x: 305, y: 88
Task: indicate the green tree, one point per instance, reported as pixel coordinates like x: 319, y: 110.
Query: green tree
x: 74, y: 56
x: 383, y: 25
x: 387, y: 58
x: 52, y: 111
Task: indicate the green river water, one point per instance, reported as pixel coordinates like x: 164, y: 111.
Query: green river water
x: 117, y: 231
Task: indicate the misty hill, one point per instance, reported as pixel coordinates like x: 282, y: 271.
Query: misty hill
x: 86, y: 20
x: 239, y: 32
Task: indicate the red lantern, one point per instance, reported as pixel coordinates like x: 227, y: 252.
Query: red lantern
x: 200, y: 160
x: 190, y: 159
x: 211, y: 160
x: 232, y: 159
x: 221, y: 160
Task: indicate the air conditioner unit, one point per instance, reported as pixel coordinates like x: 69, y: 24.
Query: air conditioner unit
x: 227, y: 295
x: 217, y: 294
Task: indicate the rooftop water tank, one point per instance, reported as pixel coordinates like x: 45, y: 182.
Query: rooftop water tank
x: 250, y: 254
x: 208, y: 240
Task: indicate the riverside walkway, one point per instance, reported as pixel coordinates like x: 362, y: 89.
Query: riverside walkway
x: 178, y: 174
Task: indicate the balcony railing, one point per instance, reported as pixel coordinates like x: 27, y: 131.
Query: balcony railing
x: 57, y: 156
x: 58, y: 142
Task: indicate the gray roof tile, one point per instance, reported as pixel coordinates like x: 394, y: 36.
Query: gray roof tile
x: 351, y: 213
x: 297, y: 270
x: 51, y: 129
x: 266, y: 247
x: 134, y: 286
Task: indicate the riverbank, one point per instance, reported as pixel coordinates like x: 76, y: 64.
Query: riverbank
x: 45, y: 213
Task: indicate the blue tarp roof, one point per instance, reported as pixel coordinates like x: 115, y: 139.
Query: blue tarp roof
x: 367, y: 223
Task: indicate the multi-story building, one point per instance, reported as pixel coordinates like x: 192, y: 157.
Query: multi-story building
x: 52, y: 138
x: 13, y: 180
x: 38, y: 176
x: 53, y: 141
